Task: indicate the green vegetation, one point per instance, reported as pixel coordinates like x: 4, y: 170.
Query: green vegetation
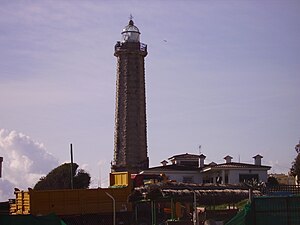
x: 60, y: 178
x: 240, y: 205
x: 295, y: 170
x: 272, y: 181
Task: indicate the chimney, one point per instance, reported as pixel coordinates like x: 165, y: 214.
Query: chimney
x: 164, y: 162
x: 1, y: 160
x: 228, y: 158
x: 201, y: 160
x: 257, y: 160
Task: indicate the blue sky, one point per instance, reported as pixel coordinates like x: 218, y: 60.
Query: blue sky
x: 226, y: 78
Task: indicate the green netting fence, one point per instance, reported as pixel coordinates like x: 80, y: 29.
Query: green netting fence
x: 269, y: 210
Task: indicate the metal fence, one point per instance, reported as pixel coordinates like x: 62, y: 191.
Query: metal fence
x: 281, y: 190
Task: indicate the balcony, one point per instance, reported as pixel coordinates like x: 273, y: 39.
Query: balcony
x: 121, y: 46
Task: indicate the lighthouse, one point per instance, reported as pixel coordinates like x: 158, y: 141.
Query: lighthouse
x: 130, y: 137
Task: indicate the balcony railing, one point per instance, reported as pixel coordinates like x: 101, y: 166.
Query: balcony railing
x: 124, y: 45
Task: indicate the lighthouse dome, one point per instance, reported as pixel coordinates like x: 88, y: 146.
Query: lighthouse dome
x: 130, y: 33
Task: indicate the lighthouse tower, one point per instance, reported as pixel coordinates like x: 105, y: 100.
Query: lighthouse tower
x: 130, y: 138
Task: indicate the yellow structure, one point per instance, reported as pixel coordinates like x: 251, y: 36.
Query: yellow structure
x: 77, y: 201
x: 120, y: 179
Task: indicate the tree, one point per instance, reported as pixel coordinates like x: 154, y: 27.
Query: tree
x: 60, y: 178
x: 272, y: 181
x: 295, y: 170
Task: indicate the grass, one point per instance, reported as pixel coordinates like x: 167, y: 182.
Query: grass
x: 240, y: 205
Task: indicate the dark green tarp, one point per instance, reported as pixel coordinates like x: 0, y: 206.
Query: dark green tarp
x: 30, y: 220
x: 240, y: 218
x: 269, y: 210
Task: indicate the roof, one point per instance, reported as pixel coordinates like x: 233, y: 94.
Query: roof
x: 131, y: 27
x: 206, y: 194
x: 186, y: 155
x: 234, y: 165
x: 257, y: 156
x: 202, y: 156
x: 228, y: 157
x: 173, y: 167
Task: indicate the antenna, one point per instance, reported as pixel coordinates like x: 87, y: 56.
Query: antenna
x: 130, y: 16
x: 200, y: 149
x: 99, y: 184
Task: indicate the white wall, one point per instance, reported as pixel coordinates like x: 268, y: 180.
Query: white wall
x: 233, y: 175
x: 178, y: 175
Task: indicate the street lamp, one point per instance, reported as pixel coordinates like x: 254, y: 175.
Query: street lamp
x: 114, y: 207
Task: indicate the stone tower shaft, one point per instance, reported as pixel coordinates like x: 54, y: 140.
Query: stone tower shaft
x: 130, y: 138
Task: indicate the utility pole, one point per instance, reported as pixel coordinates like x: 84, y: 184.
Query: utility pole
x: 1, y: 160
x: 71, y: 152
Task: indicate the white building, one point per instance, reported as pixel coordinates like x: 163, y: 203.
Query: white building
x: 190, y: 168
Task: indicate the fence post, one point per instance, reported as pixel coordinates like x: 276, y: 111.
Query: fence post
x: 250, y: 194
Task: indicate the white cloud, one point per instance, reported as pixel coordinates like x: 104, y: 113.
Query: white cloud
x: 6, y: 189
x: 24, y: 162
